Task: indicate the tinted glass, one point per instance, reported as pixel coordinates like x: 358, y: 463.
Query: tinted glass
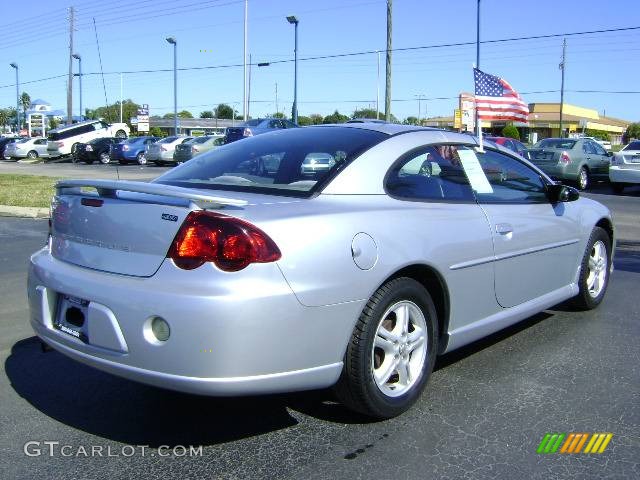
x: 430, y: 173
x: 274, y: 162
x: 168, y: 139
x: 587, y: 147
x: 252, y: 123
x: 632, y: 146
x: 511, y: 181
x: 556, y: 143
x: 598, y: 149
x: 200, y: 139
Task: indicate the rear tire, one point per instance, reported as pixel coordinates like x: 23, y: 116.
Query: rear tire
x: 104, y: 158
x: 583, y: 181
x: 141, y: 159
x: 617, y: 187
x: 388, y: 361
x: 121, y: 134
x: 32, y: 154
x: 594, y: 271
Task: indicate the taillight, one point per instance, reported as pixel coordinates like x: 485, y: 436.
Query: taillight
x: 163, y: 149
x: 60, y: 144
x: 247, y: 133
x: 195, y: 149
x: 88, y: 148
x: 230, y: 243
x: 125, y: 147
x: 564, y: 157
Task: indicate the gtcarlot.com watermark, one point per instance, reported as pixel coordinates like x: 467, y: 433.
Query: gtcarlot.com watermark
x: 56, y: 449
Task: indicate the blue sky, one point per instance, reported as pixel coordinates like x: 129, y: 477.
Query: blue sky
x: 132, y: 37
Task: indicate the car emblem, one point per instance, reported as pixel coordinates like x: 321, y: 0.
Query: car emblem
x: 171, y: 218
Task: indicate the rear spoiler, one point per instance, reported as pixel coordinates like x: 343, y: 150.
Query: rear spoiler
x: 109, y: 188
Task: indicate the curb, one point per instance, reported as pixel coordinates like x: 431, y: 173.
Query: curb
x: 24, y: 212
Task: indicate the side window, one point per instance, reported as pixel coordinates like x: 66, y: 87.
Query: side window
x: 430, y: 173
x: 274, y: 124
x: 598, y: 149
x: 587, y: 148
x: 42, y: 141
x: 511, y: 180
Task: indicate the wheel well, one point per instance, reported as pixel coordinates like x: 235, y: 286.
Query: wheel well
x: 607, y: 226
x: 435, y: 285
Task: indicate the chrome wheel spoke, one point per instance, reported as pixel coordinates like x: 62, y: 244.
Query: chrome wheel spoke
x: 415, y: 339
x: 404, y: 373
x: 384, y: 341
x: 385, y: 371
x: 402, y: 320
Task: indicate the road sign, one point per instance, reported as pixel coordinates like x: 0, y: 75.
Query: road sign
x: 143, y: 126
x: 133, y: 120
x: 143, y: 110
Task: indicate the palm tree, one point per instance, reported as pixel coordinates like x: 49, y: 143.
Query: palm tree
x: 25, y: 102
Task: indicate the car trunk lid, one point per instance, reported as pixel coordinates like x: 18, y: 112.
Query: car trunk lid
x: 541, y: 156
x: 122, y: 227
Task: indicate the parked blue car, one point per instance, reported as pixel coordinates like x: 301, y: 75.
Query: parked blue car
x: 131, y: 150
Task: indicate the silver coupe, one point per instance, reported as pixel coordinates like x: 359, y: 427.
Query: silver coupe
x: 241, y: 272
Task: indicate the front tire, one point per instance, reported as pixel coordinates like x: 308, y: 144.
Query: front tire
x: 594, y: 271
x: 392, y: 350
x: 141, y: 158
x: 104, y: 158
x: 32, y: 154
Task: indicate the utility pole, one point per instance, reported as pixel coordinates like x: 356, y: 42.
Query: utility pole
x: 249, y: 90
x: 475, y: 104
x: 277, y: 111
x: 562, y: 67
x: 387, y: 93
x: 378, y: 87
x: 245, y: 105
x: 70, y: 80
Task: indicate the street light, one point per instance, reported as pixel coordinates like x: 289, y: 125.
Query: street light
x: 420, y: 97
x: 173, y: 42
x: 79, y: 75
x: 15, y: 65
x: 293, y: 20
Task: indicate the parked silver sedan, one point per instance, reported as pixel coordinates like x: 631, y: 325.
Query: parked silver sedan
x: 161, y: 152
x: 27, y: 148
x: 240, y: 272
x: 625, y: 167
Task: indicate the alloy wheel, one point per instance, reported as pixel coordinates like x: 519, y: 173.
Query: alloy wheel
x: 598, y: 263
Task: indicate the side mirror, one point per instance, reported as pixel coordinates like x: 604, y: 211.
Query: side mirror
x: 557, y: 192
x: 609, y: 153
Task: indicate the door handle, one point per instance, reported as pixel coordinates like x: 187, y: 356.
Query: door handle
x: 504, y: 228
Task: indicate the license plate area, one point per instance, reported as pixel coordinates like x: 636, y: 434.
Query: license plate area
x: 71, y: 317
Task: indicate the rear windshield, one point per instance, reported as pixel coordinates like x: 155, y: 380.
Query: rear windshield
x: 633, y: 146
x: 168, y: 139
x: 556, y: 143
x: 200, y: 140
x: 283, y: 162
x: 252, y: 123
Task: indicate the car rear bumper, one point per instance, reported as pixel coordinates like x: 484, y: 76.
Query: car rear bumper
x: 246, y: 334
x: 624, y: 175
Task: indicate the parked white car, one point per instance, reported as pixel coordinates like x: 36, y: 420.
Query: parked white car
x: 27, y: 148
x: 64, y: 140
x: 161, y: 151
x: 624, y: 170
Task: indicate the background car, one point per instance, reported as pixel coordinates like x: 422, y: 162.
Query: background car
x: 64, y: 140
x: 161, y: 152
x: 4, y: 141
x: 27, y: 148
x: 512, y: 144
x: 96, y: 150
x: 256, y: 126
x: 412, y: 245
x: 131, y: 150
x: 187, y: 150
x: 580, y: 160
x: 625, y: 167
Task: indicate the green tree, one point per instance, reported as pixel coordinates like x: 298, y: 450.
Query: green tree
x: 25, y: 103
x: 303, y: 121
x: 316, y: 118
x: 280, y: 115
x: 366, y: 113
x: 511, y: 132
x: 410, y: 121
x: 224, y: 111
x: 4, y: 117
x: 157, y: 132
x: 53, y: 123
x: 185, y: 114
x: 111, y: 113
x: 335, y: 117
x: 206, y: 114
x: 633, y: 131
x: 167, y: 116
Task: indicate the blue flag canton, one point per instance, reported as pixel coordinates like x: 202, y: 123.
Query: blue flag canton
x: 487, y: 85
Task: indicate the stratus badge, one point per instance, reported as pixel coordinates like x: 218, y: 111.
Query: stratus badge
x: 169, y: 217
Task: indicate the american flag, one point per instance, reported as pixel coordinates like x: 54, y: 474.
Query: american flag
x: 497, y: 100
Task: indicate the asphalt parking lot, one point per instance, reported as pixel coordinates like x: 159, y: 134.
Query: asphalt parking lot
x: 67, y: 169
x: 485, y: 411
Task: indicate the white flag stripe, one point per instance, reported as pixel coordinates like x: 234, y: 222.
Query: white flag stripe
x: 493, y: 106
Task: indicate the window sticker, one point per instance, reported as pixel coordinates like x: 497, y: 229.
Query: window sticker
x: 473, y: 169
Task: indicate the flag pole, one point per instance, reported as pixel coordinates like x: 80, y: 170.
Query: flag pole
x: 478, y: 124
